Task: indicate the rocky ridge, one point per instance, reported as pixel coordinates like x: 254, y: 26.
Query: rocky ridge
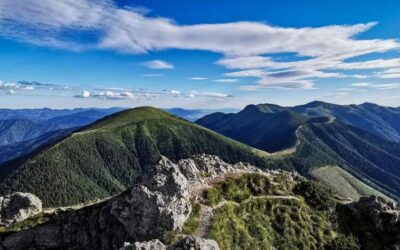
x: 159, y: 204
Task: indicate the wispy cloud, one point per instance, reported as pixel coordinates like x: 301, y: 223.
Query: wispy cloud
x: 158, y: 64
x: 361, y: 84
x: 389, y: 73
x: 377, y: 86
x: 242, y: 44
x: 198, y: 78
x: 226, y: 80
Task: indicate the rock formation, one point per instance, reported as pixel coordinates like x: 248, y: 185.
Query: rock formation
x: 160, y: 203
x: 375, y: 222
x: 194, y: 243
x: 146, y: 245
x: 18, y: 207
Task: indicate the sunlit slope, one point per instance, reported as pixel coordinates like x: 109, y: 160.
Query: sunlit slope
x: 109, y: 156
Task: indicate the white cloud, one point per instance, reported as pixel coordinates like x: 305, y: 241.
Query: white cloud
x: 378, y: 86
x: 158, y: 64
x: 48, y: 22
x: 109, y: 95
x: 359, y: 76
x: 247, y: 73
x: 386, y: 86
x: 226, y: 80
x: 389, y: 73
x: 265, y: 83
x: 209, y: 94
x: 84, y: 94
x: 13, y: 88
x: 121, y: 94
x: 175, y: 93
x: 361, y: 84
x: 197, y: 78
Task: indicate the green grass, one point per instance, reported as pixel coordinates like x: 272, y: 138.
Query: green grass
x: 343, y: 183
x: 192, y: 223
x: 108, y: 157
x: 262, y: 214
x: 28, y: 223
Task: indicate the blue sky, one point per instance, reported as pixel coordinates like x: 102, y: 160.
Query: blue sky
x: 197, y: 54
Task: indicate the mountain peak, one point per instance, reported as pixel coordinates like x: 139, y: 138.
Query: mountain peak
x: 317, y: 104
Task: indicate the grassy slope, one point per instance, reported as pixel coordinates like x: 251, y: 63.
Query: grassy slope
x: 109, y: 156
x: 263, y: 129
x: 363, y: 155
x: 258, y: 213
x: 366, y: 156
x: 343, y: 183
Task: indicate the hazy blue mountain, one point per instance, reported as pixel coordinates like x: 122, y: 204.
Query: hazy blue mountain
x: 17, y: 130
x: 46, y: 113
x: 22, y: 131
x: 194, y: 114
x: 22, y: 148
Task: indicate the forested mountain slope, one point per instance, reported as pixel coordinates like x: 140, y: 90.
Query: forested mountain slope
x: 109, y: 156
x: 324, y: 139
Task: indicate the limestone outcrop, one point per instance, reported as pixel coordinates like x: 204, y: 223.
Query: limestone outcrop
x: 17, y: 207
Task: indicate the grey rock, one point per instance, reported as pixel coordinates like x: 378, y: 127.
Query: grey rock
x: 18, y: 207
x: 146, y: 245
x: 194, y: 243
x: 381, y: 212
x: 19, y: 241
x: 159, y: 203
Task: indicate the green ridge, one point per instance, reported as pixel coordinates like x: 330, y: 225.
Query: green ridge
x: 109, y: 156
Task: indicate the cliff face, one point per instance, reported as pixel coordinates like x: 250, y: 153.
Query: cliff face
x: 374, y: 221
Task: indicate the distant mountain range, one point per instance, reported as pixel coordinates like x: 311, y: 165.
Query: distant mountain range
x: 378, y: 120
x: 361, y: 139
x: 22, y: 131
x: 195, y: 114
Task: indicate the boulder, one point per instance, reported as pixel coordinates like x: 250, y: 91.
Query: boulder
x: 194, y: 243
x: 146, y: 245
x: 18, y: 207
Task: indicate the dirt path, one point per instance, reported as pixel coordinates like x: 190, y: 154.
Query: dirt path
x: 290, y: 150
x: 207, y: 212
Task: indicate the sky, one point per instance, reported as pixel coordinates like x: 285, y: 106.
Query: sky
x: 198, y: 54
